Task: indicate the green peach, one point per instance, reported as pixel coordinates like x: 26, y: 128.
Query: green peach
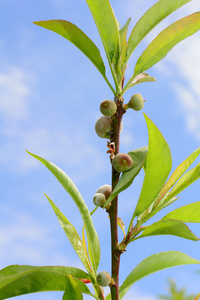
x: 136, y: 102
x: 103, y: 127
x: 122, y: 162
x: 99, y: 199
x: 108, y: 107
x: 105, y: 189
x: 103, y: 278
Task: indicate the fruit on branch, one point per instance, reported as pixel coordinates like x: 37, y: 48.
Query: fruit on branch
x: 99, y: 199
x: 103, y: 127
x: 136, y: 102
x: 103, y: 278
x: 105, y: 189
x: 108, y: 107
x: 122, y: 162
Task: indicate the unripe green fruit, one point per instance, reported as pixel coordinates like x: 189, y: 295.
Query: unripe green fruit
x: 108, y: 107
x: 136, y: 102
x: 103, y: 278
x: 99, y: 199
x: 103, y: 127
x: 122, y: 162
x: 105, y: 189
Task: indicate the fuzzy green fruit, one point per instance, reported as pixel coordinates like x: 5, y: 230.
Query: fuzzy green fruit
x: 103, y: 127
x: 122, y: 162
x: 105, y: 189
x: 99, y: 199
x: 136, y: 102
x: 108, y: 107
x: 103, y: 278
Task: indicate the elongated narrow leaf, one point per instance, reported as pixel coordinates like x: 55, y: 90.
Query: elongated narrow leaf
x: 72, y: 291
x: 106, y: 23
x: 143, y: 77
x: 166, y: 40
x: 155, y: 263
x: 186, y: 180
x: 158, y: 166
x: 123, y: 43
x: 20, y: 280
x: 179, y: 171
x: 169, y: 227
x: 17, y: 270
x: 187, y: 213
x: 150, y: 19
x: 72, y: 235
x: 197, y: 297
x: 70, y: 187
x: 77, y: 37
x: 138, y: 156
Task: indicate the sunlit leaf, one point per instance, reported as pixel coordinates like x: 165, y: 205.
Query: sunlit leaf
x: 76, y: 36
x: 186, y: 180
x: 72, y: 290
x: 123, y: 43
x: 106, y: 23
x: 155, y: 263
x: 138, y: 156
x: 187, y: 213
x: 158, y: 166
x: 143, y: 77
x: 169, y: 227
x: 179, y: 171
x: 166, y: 40
x: 19, y: 280
x: 121, y: 225
x: 70, y: 187
x: 72, y: 235
x: 150, y: 19
x: 197, y: 297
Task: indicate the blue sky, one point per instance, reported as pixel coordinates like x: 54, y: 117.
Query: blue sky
x: 49, y: 103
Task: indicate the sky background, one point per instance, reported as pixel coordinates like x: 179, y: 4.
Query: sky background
x: 49, y: 103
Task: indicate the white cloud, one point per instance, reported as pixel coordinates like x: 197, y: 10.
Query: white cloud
x: 14, y: 92
x: 186, y: 65
x: 52, y: 142
x: 24, y: 239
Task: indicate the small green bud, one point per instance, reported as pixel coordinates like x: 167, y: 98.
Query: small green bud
x: 99, y: 199
x: 105, y: 189
x: 103, y: 127
x: 108, y: 107
x: 136, y: 102
x: 103, y: 278
x: 122, y: 162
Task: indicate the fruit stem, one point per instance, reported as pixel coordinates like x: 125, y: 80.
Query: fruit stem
x: 113, y: 211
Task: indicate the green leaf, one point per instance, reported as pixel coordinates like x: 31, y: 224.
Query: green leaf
x: 106, y: 23
x: 187, y: 213
x: 123, y: 45
x: 158, y: 166
x: 70, y: 187
x: 15, y: 270
x: 155, y: 263
x: 150, y: 19
x: 143, y: 77
x: 169, y: 227
x: 72, y: 292
x: 72, y: 236
x: 166, y: 40
x: 186, y: 180
x: 77, y: 37
x: 138, y: 156
x: 179, y: 171
x: 19, y: 280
